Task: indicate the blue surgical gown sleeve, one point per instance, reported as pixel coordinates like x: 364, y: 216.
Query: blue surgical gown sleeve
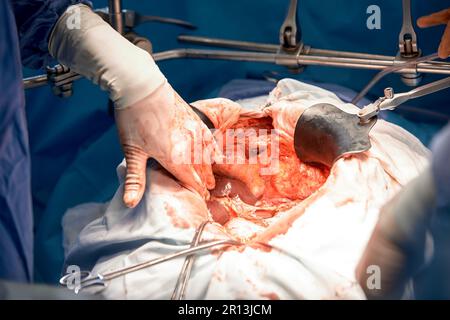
x: 24, y: 27
x: 35, y: 20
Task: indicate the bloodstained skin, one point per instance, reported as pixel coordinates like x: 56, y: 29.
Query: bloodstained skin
x: 293, y: 182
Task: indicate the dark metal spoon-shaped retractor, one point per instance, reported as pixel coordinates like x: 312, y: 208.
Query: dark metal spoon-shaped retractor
x: 324, y: 133
x: 202, y: 117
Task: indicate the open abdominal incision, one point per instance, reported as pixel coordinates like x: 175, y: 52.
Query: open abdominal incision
x: 259, y: 178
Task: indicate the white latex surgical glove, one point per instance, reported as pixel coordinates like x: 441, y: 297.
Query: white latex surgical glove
x: 164, y: 127
x: 152, y: 119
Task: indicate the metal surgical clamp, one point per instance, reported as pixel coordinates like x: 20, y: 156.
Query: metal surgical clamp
x: 407, y: 37
x: 290, y: 52
x: 407, y: 43
x: 183, y: 278
x: 390, y: 100
x: 290, y: 32
x: 88, y: 280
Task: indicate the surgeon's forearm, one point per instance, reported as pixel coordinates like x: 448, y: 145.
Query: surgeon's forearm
x: 398, y: 243
x: 95, y: 50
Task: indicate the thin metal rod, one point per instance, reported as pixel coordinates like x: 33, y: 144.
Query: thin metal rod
x: 115, y: 15
x: 272, y: 48
x: 348, y: 54
x: 389, y: 70
x: 215, y: 54
x: 233, y: 44
x: 265, y: 57
x: 430, y: 88
x: 301, y: 59
x: 34, y: 82
x: 400, y: 98
x: 147, y: 264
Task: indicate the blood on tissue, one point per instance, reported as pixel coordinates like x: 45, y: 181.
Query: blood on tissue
x: 291, y: 184
x: 270, y: 296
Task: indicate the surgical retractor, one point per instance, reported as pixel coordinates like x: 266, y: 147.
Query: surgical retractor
x: 325, y: 133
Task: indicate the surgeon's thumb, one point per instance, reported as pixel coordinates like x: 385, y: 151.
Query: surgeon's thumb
x: 134, y: 186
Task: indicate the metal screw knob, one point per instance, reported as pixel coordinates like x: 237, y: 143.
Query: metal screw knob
x: 389, y: 93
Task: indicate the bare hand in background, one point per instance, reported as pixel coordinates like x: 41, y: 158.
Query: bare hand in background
x: 436, y: 19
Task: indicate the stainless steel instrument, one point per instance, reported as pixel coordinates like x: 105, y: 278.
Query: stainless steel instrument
x: 324, y: 133
x: 290, y: 52
x: 86, y: 279
x: 391, y: 100
x: 181, y: 285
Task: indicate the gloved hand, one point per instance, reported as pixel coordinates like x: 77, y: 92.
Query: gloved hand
x: 435, y: 19
x: 153, y: 121
x: 399, y: 245
x: 164, y: 127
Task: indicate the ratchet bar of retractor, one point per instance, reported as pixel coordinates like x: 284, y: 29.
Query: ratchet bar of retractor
x: 342, y: 60
x: 407, y: 37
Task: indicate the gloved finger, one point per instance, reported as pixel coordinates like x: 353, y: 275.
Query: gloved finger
x: 134, y: 186
x: 210, y: 154
x: 206, y: 174
x: 434, y: 19
x: 203, y: 145
x: 444, y: 47
x: 188, y: 177
x: 185, y: 151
